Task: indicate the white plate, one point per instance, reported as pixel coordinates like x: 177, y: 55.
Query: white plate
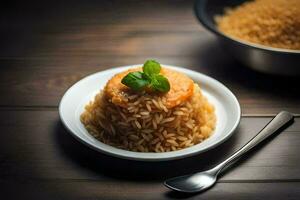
x: 227, y: 110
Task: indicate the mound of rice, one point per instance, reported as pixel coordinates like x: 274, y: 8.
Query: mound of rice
x: 274, y: 23
x: 147, y: 125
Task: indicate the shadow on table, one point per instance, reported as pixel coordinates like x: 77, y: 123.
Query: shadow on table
x: 101, y: 164
x: 216, y: 62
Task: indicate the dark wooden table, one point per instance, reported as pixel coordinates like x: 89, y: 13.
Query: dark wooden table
x: 48, y: 46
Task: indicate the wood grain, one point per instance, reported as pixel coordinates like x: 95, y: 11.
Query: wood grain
x: 75, y: 189
x: 39, y: 155
x: 38, y: 147
x: 42, y: 82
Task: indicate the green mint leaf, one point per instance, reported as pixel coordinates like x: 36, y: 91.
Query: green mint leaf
x: 160, y: 83
x: 145, y: 76
x: 151, y: 67
x: 148, y: 79
x: 135, y: 80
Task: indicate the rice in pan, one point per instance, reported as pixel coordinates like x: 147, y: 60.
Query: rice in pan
x: 150, y: 122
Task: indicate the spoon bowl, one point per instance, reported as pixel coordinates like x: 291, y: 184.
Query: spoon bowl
x: 194, y: 182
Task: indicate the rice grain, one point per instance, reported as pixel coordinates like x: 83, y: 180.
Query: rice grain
x: 147, y: 125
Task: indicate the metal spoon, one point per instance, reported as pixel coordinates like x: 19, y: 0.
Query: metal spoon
x: 203, y: 180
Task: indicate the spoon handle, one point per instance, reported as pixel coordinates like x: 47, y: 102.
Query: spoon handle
x: 276, y: 124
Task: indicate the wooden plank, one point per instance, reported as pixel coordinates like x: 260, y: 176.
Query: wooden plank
x: 27, y: 25
x: 143, y: 190
x: 42, y: 82
x: 36, y: 146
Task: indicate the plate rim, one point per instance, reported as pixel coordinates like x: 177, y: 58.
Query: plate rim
x: 151, y: 159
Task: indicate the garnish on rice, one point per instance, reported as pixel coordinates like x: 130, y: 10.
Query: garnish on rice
x: 174, y: 115
x: 148, y: 79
